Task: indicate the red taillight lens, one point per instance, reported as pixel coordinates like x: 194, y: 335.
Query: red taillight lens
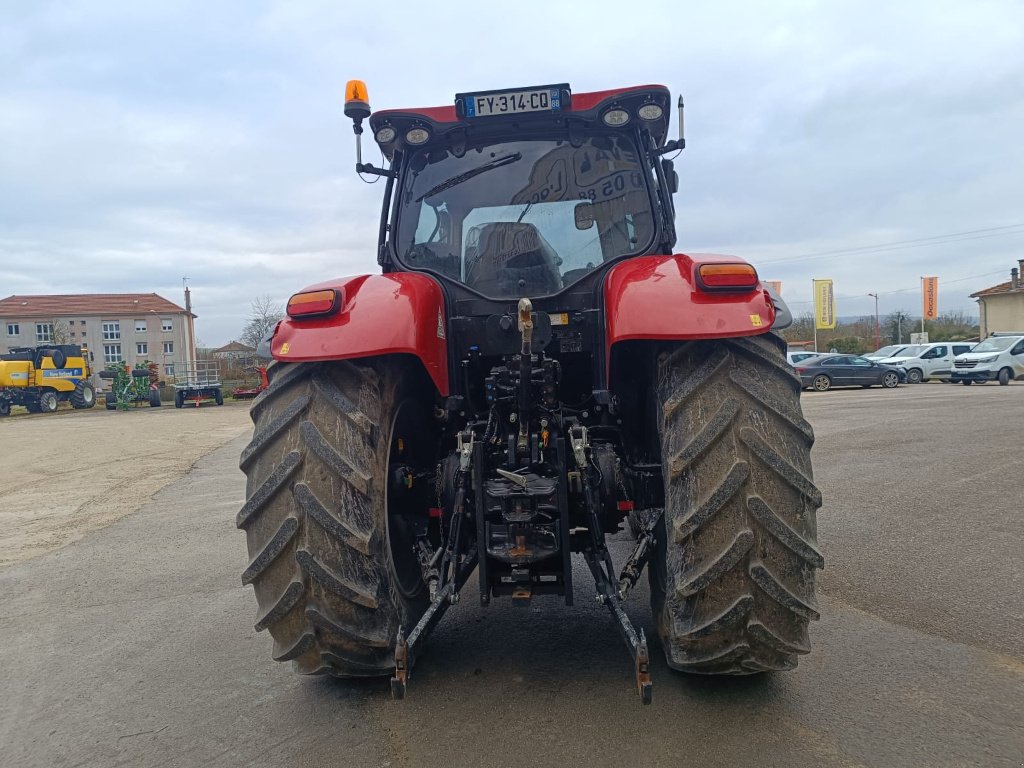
x: 729, y: 277
x: 314, y: 303
x: 800, y: 370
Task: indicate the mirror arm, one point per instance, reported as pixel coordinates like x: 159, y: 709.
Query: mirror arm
x: 375, y: 171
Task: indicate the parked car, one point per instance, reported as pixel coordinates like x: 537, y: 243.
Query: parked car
x: 928, y: 361
x: 823, y: 373
x: 889, y: 351
x: 1000, y: 358
x: 796, y: 357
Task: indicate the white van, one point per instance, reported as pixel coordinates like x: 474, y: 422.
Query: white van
x: 1000, y: 358
x: 892, y: 350
x: 928, y: 361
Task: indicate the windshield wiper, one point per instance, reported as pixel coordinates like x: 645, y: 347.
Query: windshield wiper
x: 471, y: 173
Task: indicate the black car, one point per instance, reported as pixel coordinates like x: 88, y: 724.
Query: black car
x: 827, y: 371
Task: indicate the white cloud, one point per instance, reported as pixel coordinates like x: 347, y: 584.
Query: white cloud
x: 143, y: 142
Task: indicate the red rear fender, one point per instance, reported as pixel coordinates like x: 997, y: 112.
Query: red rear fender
x: 398, y: 313
x: 657, y: 297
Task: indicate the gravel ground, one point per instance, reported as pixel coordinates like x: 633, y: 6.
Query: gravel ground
x: 134, y: 646
x: 71, y: 472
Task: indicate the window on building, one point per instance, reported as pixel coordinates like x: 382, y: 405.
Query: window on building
x: 142, y: 348
x: 165, y: 324
x: 81, y: 322
x: 140, y: 326
x: 13, y: 329
x: 112, y: 331
x: 168, y: 347
x: 112, y: 353
x: 169, y: 370
x: 44, y: 332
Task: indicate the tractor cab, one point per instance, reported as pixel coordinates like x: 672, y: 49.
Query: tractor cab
x: 524, y: 192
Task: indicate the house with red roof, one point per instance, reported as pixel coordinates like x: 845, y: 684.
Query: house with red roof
x: 130, y: 327
x: 1001, y: 307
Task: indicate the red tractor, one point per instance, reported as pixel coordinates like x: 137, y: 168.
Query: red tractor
x: 534, y: 368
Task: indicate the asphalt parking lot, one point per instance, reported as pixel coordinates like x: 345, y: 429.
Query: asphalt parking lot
x: 134, y: 645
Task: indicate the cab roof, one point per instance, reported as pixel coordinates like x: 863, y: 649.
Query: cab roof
x: 445, y: 123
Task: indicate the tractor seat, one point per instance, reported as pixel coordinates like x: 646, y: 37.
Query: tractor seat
x: 501, y: 255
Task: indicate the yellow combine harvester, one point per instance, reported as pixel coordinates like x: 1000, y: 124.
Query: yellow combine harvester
x: 40, y: 377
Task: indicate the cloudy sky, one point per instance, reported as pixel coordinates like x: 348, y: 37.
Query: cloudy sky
x: 143, y: 142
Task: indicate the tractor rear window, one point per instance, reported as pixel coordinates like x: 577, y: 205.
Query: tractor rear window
x: 524, y: 218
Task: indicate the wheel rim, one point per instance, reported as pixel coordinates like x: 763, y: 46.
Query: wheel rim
x: 821, y: 383
x: 890, y: 380
x: 88, y: 396
x: 48, y: 402
x: 914, y: 377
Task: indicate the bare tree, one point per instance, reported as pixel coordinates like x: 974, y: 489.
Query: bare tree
x: 60, y: 332
x: 898, y: 326
x: 262, y: 319
x: 802, y: 328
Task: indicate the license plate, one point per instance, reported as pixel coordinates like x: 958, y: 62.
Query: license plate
x: 512, y: 102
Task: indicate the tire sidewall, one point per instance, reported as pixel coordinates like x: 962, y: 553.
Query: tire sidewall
x: 48, y: 402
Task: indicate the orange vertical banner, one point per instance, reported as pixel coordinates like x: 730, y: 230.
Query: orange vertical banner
x: 930, y: 297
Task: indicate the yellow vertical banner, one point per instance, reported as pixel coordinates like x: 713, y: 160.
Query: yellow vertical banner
x: 930, y: 297
x: 824, y: 306
x: 775, y: 285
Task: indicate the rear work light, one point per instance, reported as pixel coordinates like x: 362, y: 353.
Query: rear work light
x: 727, y: 277
x: 314, y: 303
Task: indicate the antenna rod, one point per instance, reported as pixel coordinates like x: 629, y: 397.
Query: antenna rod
x: 682, y: 137
x: 357, y: 128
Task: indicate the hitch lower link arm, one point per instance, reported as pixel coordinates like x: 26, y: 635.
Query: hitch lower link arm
x: 599, y: 561
x: 453, y: 574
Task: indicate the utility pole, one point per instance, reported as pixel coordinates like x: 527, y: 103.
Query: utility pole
x: 190, y: 343
x: 878, y: 327
x: 814, y: 323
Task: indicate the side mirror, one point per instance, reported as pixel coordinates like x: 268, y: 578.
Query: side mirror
x: 584, y: 215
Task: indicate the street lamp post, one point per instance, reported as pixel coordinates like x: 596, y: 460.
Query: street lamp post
x: 878, y: 327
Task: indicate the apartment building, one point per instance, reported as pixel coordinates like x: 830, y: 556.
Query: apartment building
x: 130, y: 327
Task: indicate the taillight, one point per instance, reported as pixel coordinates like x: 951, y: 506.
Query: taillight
x: 727, y: 277
x: 314, y: 303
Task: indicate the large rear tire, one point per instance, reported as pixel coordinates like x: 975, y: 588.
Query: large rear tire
x: 322, y: 565
x: 732, y: 582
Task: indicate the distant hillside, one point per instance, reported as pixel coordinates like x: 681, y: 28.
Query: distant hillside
x: 848, y: 319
